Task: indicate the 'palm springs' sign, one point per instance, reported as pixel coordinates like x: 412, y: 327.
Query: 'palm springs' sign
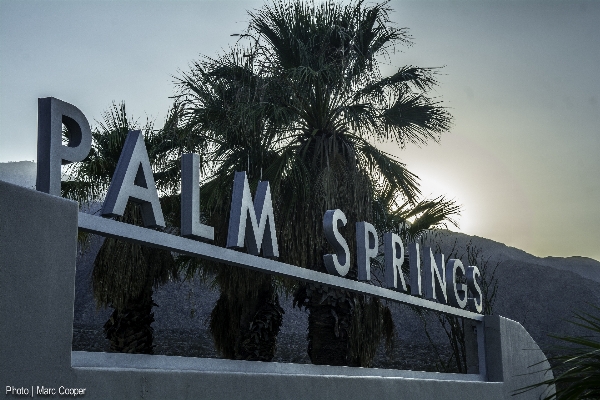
x: 251, y: 223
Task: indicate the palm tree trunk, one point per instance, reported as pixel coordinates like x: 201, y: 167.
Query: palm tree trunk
x: 328, y: 335
x: 329, y: 323
x: 259, y: 326
x: 247, y: 317
x: 129, y: 329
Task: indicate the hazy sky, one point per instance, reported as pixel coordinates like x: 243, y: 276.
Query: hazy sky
x: 522, y: 80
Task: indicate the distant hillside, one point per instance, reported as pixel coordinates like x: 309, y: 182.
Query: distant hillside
x: 583, y: 266
x: 20, y: 173
x: 496, y: 251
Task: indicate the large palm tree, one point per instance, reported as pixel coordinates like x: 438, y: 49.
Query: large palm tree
x: 228, y: 122
x: 325, y: 59
x: 124, y: 274
x: 301, y: 107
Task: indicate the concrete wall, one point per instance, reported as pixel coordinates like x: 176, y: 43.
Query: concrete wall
x: 37, y: 285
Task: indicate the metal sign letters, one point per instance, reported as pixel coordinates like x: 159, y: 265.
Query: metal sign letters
x: 251, y: 224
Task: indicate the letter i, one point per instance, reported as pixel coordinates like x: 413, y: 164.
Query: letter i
x: 414, y: 261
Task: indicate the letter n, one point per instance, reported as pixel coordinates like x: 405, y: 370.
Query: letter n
x: 435, y: 278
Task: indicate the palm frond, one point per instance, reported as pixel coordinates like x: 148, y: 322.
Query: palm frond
x: 581, y: 364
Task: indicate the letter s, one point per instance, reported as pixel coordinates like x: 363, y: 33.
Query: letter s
x: 476, y: 302
x: 338, y: 263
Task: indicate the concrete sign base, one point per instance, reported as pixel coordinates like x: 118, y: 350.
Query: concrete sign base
x: 38, y: 245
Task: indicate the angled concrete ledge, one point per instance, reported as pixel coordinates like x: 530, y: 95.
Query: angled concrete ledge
x: 82, y: 359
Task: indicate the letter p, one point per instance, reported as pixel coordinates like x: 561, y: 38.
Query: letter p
x: 51, y: 153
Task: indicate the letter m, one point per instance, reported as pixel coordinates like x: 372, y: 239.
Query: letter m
x: 251, y: 222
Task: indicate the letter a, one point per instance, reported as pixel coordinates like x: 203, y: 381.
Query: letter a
x: 249, y: 223
x: 133, y: 180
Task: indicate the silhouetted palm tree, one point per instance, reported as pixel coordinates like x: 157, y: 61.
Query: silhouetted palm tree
x: 325, y: 59
x: 301, y: 107
x: 124, y: 273
x: 228, y: 123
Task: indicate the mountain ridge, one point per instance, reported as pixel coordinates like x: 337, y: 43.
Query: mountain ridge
x: 585, y: 267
